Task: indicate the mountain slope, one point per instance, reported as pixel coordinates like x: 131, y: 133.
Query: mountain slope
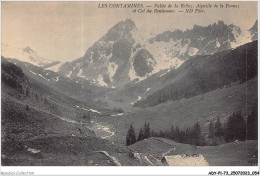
x: 26, y: 55
x: 254, y: 31
x: 16, y: 83
x: 192, y: 78
x: 207, y: 73
x: 75, y: 88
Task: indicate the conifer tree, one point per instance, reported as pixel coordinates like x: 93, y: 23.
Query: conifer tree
x: 252, y: 125
x: 177, y: 134
x: 172, y: 133
x: 152, y: 133
x: 130, y: 137
x: 235, y: 128
x: 197, y: 134
x: 147, y: 130
x: 211, y: 130
x: 218, y: 129
x: 240, y: 127
x: 140, y: 135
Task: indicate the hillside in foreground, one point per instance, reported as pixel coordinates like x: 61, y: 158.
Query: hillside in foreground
x: 155, y: 150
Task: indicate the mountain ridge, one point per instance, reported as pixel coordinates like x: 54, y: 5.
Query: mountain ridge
x: 112, y: 60
x: 125, y: 54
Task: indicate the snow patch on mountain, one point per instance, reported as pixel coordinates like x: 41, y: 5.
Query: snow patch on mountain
x: 133, y: 76
x: 79, y: 73
x: 141, y: 38
x: 242, y: 38
x: 184, y: 48
x: 217, y: 44
x: 100, y: 81
x: 192, y: 51
x: 165, y: 53
x: 111, y: 69
x: 69, y: 74
x: 54, y: 68
x: 36, y: 74
x: 57, y: 79
x: 119, y: 114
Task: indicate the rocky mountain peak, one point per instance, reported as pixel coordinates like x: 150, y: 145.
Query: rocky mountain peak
x: 118, y: 30
x: 129, y: 24
x: 28, y: 50
x: 114, y: 59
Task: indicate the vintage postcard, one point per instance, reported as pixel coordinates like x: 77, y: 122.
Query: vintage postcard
x: 129, y: 83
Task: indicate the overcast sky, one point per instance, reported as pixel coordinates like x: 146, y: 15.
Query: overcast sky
x: 64, y: 30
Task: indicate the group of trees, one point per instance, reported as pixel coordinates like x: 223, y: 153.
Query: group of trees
x: 236, y: 127
x: 189, y: 136
x: 215, y: 130
x: 252, y: 125
x: 130, y: 137
x: 241, y: 128
x: 145, y: 132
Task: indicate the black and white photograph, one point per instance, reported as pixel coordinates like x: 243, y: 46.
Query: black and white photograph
x: 129, y: 83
